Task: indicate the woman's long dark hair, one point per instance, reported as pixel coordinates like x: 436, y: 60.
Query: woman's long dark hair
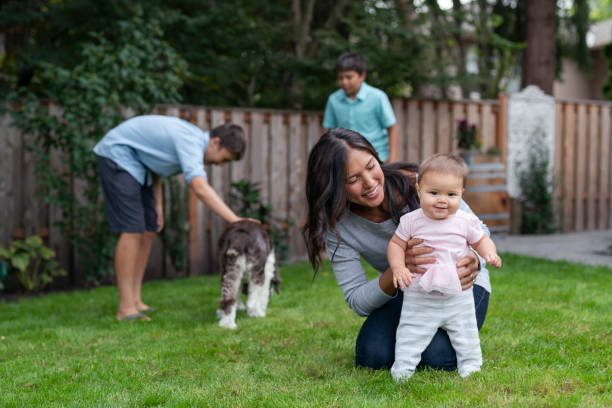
x: 325, y: 187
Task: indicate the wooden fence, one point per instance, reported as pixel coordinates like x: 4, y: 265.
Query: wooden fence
x: 583, y: 165
x: 276, y: 157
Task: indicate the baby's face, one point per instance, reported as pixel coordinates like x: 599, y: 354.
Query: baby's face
x: 440, y: 194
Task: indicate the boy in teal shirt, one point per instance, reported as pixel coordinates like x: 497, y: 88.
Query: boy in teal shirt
x: 362, y: 108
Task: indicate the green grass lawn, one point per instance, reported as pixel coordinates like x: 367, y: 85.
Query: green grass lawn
x: 546, y: 342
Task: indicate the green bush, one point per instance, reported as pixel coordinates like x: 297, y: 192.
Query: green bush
x: 3, y: 273
x: 493, y: 151
x: 133, y: 68
x: 245, y: 197
x: 538, y: 216
x: 175, y: 234
x: 33, y: 262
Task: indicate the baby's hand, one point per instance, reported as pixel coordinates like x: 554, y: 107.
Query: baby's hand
x: 494, y: 260
x: 402, y: 277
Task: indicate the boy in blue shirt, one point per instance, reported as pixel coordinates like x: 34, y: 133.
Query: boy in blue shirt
x: 362, y: 108
x: 132, y: 158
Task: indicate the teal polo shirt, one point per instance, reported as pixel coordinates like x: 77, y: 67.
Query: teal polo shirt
x: 369, y: 114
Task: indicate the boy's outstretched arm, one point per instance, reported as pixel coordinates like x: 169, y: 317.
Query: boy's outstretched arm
x: 211, y: 199
x: 396, y: 253
x: 487, y: 249
x: 159, y: 206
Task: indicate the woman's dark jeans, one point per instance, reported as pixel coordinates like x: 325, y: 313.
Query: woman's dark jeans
x: 376, y: 340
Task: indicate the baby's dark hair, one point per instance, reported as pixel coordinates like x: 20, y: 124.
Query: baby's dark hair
x: 350, y: 61
x: 445, y: 163
x: 231, y: 136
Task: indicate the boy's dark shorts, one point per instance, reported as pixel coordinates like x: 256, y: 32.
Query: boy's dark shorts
x: 130, y: 207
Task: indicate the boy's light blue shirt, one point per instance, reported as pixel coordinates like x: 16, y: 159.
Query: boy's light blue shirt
x: 369, y: 114
x: 164, y: 145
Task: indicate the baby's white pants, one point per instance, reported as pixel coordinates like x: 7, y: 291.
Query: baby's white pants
x: 422, y: 315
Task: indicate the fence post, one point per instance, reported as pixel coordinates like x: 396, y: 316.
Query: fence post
x: 502, y: 123
x: 604, y: 182
x: 530, y: 124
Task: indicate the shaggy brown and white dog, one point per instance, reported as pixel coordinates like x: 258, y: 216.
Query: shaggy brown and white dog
x: 245, y: 254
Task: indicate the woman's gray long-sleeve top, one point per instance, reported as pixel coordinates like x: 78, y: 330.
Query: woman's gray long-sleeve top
x: 367, y: 239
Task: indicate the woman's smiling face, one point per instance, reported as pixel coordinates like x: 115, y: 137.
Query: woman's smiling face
x: 364, y: 179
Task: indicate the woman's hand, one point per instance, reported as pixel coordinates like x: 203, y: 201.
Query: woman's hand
x: 416, y: 256
x: 467, y: 269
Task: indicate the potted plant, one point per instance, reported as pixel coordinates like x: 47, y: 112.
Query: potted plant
x: 467, y: 141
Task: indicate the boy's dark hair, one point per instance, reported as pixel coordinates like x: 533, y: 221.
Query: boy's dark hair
x: 350, y: 61
x: 231, y: 136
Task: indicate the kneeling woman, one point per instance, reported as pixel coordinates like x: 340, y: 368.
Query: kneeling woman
x: 354, y: 205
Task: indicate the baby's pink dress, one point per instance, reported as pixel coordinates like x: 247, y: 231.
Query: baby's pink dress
x: 449, y: 239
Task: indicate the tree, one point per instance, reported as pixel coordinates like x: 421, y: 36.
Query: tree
x: 576, y: 26
x: 600, y: 10
x: 43, y: 31
x: 481, y: 30
x: 305, y: 41
x: 568, y: 25
x: 281, y: 54
x: 606, y: 89
x: 539, y: 57
x: 132, y: 69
